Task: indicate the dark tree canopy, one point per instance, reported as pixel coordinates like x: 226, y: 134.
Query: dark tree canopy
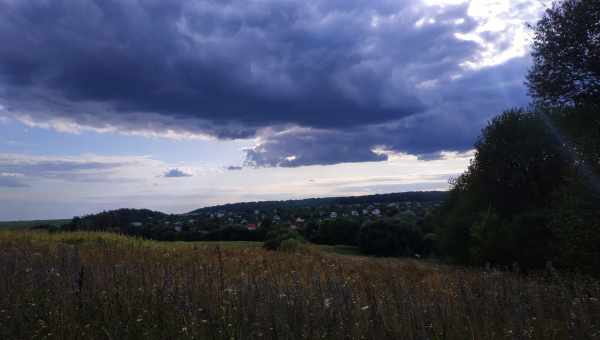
x: 389, y: 238
x: 566, y: 54
x: 524, y: 198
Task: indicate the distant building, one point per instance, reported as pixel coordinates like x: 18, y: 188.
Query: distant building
x: 293, y: 227
x: 333, y: 214
x: 251, y: 226
x: 299, y: 220
x: 365, y: 211
x: 354, y: 213
x: 136, y: 224
x: 178, y: 228
x: 376, y: 212
x: 276, y: 218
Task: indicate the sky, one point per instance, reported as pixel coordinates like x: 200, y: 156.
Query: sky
x: 176, y: 105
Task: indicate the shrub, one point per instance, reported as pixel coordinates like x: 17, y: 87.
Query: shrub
x: 276, y: 237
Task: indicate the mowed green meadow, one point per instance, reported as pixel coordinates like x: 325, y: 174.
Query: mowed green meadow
x: 86, y: 285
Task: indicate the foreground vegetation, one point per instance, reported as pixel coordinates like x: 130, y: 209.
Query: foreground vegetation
x: 104, y: 286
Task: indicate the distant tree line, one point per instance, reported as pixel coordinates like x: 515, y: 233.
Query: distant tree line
x: 415, y: 196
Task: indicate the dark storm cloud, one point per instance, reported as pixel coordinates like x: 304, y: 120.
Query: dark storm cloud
x: 337, y: 69
x: 176, y: 173
x: 461, y: 108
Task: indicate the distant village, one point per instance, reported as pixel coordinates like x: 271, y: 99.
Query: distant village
x: 293, y: 218
x: 249, y: 221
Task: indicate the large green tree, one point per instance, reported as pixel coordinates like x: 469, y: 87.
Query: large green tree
x: 532, y: 191
x: 497, y: 207
x: 566, y: 54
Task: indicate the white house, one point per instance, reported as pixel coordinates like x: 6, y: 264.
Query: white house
x: 354, y: 213
x: 376, y: 212
x: 333, y: 214
x: 136, y: 224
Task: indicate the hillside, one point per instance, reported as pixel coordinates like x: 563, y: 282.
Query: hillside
x: 107, y: 286
x: 251, y: 221
x: 414, y: 196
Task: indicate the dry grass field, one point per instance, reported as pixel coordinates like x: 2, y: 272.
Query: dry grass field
x: 104, y: 286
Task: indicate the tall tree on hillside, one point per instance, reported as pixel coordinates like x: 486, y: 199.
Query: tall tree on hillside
x: 566, y: 54
x: 531, y: 193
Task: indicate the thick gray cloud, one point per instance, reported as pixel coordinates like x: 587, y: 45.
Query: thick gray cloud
x: 463, y: 107
x: 348, y: 74
x: 311, y: 147
x: 176, y: 173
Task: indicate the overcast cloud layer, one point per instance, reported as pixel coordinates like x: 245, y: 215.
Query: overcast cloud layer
x: 315, y: 81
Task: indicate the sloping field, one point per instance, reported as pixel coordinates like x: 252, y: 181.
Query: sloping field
x: 105, y: 286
